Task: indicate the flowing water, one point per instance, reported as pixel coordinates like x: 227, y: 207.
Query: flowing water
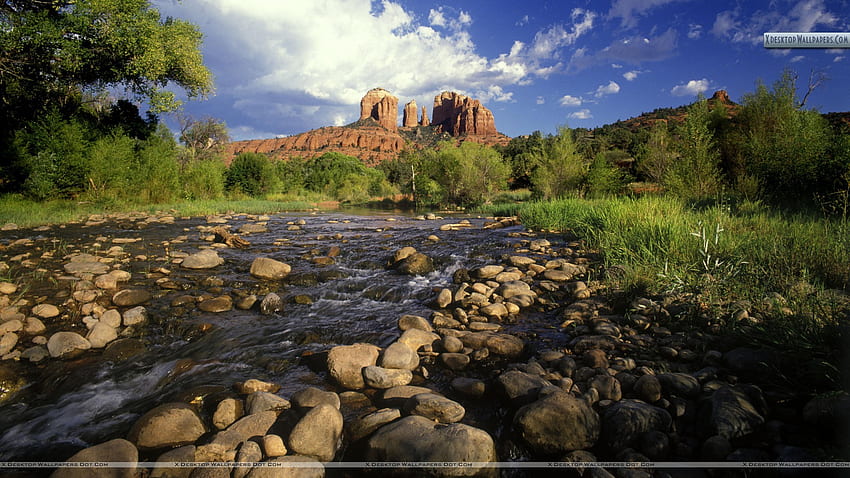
x: 89, y: 400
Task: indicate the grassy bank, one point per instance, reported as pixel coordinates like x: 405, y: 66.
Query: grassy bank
x: 26, y: 213
x: 790, y: 272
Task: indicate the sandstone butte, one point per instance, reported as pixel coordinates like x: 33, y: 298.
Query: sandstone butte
x: 376, y: 136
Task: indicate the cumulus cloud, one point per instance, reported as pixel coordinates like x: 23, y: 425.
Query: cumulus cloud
x: 540, y: 100
x: 631, y: 75
x: 803, y: 16
x: 611, y: 88
x: 581, y: 114
x: 694, y: 31
x: 691, y: 88
x: 837, y: 59
x: 568, y: 100
x: 629, y: 11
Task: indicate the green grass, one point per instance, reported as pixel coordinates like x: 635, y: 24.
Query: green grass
x: 26, y: 213
x: 786, y: 266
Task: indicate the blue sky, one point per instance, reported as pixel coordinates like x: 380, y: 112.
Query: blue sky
x: 283, y: 67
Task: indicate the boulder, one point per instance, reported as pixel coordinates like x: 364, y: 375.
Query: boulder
x: 401, y: 356
x: 206, y: 259
x: 434, y: 407
x: 346, y: 362
x: 455, y: 361
x: 168, y: 425
x: 264, y: 401
x: 383, y: 378
x: 255, y: 425
x: 418, y: 439
x: 269, y: 269
x: 416, y: 264
x: 312, y: 397
x: 285, y: 467
x: 679, y: 384
x: 67, y: 344
x: 117, y: 450
x: 558, y: 423
x: 131, y: 297
x: 101, y: 334
x: 227, y: 412
x: 318, y: 433
x: 730, y: 413
x: 521, y: 387
x: 364, y: 426
x: 469, y: 387
x: 648, y: 388
x: 624, y: 422
x: 416, y: 338
x: 414, y: 322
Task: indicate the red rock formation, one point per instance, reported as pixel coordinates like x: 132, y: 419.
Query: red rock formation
x: 424, y: 121
x: 460, y: 115
x: 380, y: 105
x: 410, y: 112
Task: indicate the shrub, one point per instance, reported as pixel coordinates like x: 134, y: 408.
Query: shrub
x: 559, y: 168
x: 203, y: 179
x: 696, y: 174
x: 157, y: 171
x: 251, y: 174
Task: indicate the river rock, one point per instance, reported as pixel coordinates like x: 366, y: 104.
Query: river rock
x: 67, y: 344
x: 8, y: 341
x: 11, y: 326
x: 253, y: 228
x: 648, y: 388
x: 122, y: 349
x: 730, y: 413
x: 227, y: 412
x: 34, y: 326
x: 218, y: 304
x: 131, y: 297
x: 444, y: 298
x: 496, y: 311
x: 402, y: 254
x: 45, y: 311
x: 434, y: 407
x: 91, y: 267
x: 399, y: 355
x: 397, y: 396
x: 8, y: 288
x: 558, y: 423
x: 118, y: 450
x: 269, y: 269
x: 679, y: 384
x: 249, y: 452
x: 418, y: 439
x: 520, y: 387
x: 264, y: 401
x: 383, y: 378
x: 486, y: 272
x: 455, y: 361
x: 271, y: 304
x: 312, y: 397
x: 318, y: 433
x: 451, y: 344
x: 182, y: 454
x: 416, y: 264
x: 469, y: 387
x: 414, y: 322
x: 505, y: 345
x: 607, y: 386
x: 34, y: 354
x: 249, y: 426
x: 134, y: 316
x: 101, y: 334
x: 168, y: 425
x: 416, y: 338
x: 624, y: 422
x: 364, y: 426
x: 205, y: 259
x: 284, y: 467
x: 346, y: 363
x: 273, y: 446
x: 253, y: 385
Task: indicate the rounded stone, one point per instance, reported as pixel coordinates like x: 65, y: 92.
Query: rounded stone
x: 399, y: 356
x: 168, y: 425
x: 219, y: 304
x: 558, y: 423
x: 414, y: 322
x: 67, y: 344
x: 269, y: 269
x: 648, y: 388
x: 346, y: 362
x: 45, y: 311
x: 8, y: 341
x: 101, y: 334
x: 117, y: 450
x: 434, y: 407
x: 227, y: 412
x: 273, y: 446
x: 136, y: 315
x: 383, y: 378
x: 455, y: 361
x: 317, y: 433
x: 131, y: 297
x: 205, y: 259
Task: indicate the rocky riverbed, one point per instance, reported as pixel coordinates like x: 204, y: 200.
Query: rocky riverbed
x: 320, y: 339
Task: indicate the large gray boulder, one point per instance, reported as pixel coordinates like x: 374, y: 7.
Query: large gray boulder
x: 269, y: 269
x: 558, y: 423
x: 346, y: 363
x: 206, y: 259
x: 67, y: 344
x: 318, y: 433
x: 418, y: 439
x: 168, y: 425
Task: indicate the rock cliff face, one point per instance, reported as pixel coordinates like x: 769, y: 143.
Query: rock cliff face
x: 424, y: 121
x: 460, y: 115
x: 410, y: 112
x: 380, y: 105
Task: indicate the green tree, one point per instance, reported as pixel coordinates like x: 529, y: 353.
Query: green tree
x: 604, y: 176
x: 657, y: 154
x: 696, y: 174
x: 467, y: 175
x: 251, y: 174
x: 520, y: 154
x: 559, y: 168
x: 204, y: 138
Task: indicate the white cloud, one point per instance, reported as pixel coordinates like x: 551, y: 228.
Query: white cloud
x: 274, y: 61
x: 631, y: 75
x: 540, y: 100
x: 581, y: 114
x: 797, y: 58
x: 616, y: 65
x: 568, y: 100
x: 522, y: 21
x: 611, y: 88
x: 629, y: 10
x: 837, y: 59
x: 691, y: 88
x: 694, y: 31
x: 639, y: 48
x: 804, y: 16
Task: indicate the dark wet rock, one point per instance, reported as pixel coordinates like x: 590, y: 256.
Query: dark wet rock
x: 595, y: 358
x: 307, y: 468
x: 416, y: 264
x: 122, y: 349
x: 364, y: 426
x: 317, y: 433
x: 219, y: 304
x: 399, y: 355
x: 418, y: 439
x: 205, y: 259
x: 266, y: 268
x: 452, y: 344
x: 558, y: 423
x: 607, y: 386
x: 715, y: 448
x: 67, y: 345
x: 131, y: 297
x: 168, y: 425
x: 92, y: 267
x: 312, y: 397
x: 582, y: 344
x: 264, y: 401
x: 118, y: 450
x: 455, y: 361
x: 271, y: 304
x: 11, y: 382
x: 625, y: 421
x: 346, y: 362
x: 505, y: 345
x: 383, y: 378
x: 750, y: 362
x: 434, y: 407
x: 679, y: 384
x: 730, y: 413
x: 830, y: 414
x: 521, y: 387
x: 469, y: 387
x: 648, y: 388
x: 654, y: 444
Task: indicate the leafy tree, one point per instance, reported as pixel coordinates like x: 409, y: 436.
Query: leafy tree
x: 520, y: 154
x: 657, y: 154
x: 157, y: 171
x: 604, y: 176
x: 559, y: 168
x: 203, y: 138
x: 251, y: 174
x: 696, y: 174
x: 467, y: 175
x: 203, y: 179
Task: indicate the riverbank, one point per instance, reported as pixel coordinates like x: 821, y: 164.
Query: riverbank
x: 508, y: 338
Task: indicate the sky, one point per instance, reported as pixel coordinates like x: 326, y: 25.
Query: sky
x: 283, y: 67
